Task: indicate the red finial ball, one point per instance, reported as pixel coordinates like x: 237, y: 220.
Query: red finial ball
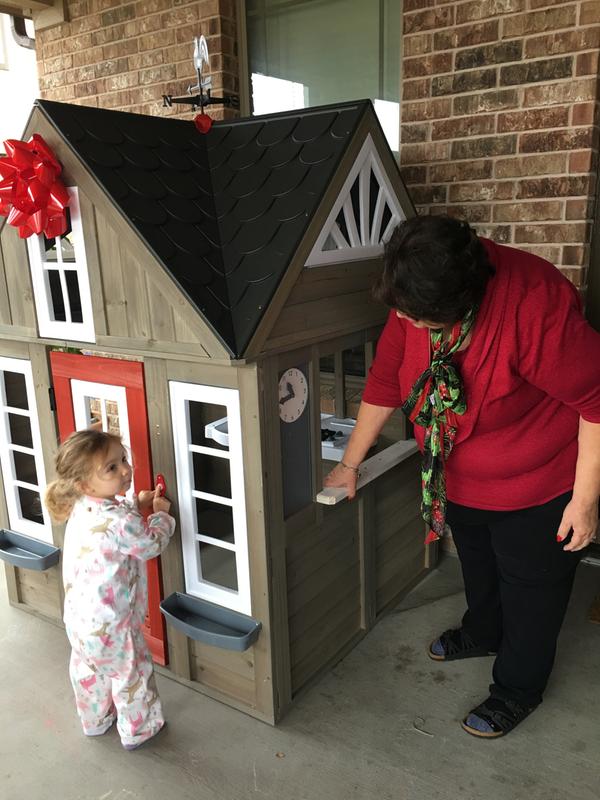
x: 203, y: 123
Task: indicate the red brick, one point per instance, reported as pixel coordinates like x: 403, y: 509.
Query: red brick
x: 575, y: 255
x: 429, y: 20
x: 563, y: 232
x: 481, y: 148
x: 564, y: 42
x: 584, y: 114
x: 575, y: 274
x: 417, y: 89
x: 497, y: 233
x: 556, y: 140
x: 466, y: 36
x: 564, y: 186
x: 485, y: 101
x: 477, y: 191
x: 581, y: 162
x: 423, y: 153
x: 159, y: 74
x: 458, y: 127
x: 411, y: 175
x: 414, y: 133
x: 430, y: 109
x: 126, y: 80
x: 547, y: 20
x: 154, y: 41
x: 579, y: 209
x: 429, y: 194
x: 546, y: 164
x: 587, y: 64
x: 566, y: 92
x: 116, y: 15
x: 464, y: 82
x: 415, y: 5
x: 418, y: 45
x: 536, y: 71
x: 549, y: 252
x: 484, y: 9
x: 119, y: 49
x: 151, y: 58
x: 146, y: 7
x: 462, y: 171
x: 528, y: 212
x: 486, y: 55
x: 589, y: 13
x: 556, y: 117
x: 474, y: 213
x: 427, y: 65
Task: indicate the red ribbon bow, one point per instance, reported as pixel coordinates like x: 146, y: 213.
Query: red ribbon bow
x: 31, y: 196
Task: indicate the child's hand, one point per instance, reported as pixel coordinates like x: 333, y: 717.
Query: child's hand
x: 160, y: 503
x: 144, y: 499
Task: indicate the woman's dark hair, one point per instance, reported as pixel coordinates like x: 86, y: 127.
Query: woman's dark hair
x: 435, y: 268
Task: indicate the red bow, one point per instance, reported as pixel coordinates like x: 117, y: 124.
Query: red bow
x: 31, y: 196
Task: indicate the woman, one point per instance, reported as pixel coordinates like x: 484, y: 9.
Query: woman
x: 487, y: 351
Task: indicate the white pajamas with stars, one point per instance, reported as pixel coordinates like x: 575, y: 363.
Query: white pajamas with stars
x: 106, y: 544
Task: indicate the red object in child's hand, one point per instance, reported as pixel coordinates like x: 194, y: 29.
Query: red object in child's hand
x: 160, y: 481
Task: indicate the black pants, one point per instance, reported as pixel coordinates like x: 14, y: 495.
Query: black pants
x: 518, y: 581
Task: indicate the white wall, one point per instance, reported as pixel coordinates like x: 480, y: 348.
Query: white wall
x: 18, y: 83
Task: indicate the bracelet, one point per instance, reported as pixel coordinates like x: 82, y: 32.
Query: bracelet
x: 347, y: 466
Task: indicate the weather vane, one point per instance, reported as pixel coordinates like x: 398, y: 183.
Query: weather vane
x: 203, y: 87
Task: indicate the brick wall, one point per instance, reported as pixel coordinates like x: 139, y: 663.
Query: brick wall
x: 126, y: 55
x: 499, y: 119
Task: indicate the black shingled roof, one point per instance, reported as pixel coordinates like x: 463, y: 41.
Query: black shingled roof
x: 223, y: 212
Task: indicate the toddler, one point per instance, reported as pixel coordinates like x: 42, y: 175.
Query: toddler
x: 106, y: 542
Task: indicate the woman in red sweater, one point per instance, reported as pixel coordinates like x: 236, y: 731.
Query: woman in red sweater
x: 488, y: 353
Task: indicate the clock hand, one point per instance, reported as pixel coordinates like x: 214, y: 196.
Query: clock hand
x: 290, y: 389
x: 287, y: 397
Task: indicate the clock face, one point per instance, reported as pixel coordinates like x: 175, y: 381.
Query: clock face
x: 293, y: 394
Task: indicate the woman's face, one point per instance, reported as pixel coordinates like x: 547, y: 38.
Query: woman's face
x: 421, y: 323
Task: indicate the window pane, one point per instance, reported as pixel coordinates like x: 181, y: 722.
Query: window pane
x: 16, y: 390
x: 214, y: 520
x: 67, y: 248
x: 212, y: 474
x: 31, y: 505
x: 25, y: 467
x: 74, y: 296
x: 20, y: 430
x: 56, y: 296
x: 313, y: 53
x: 201, y: 414
x: 218, y: 566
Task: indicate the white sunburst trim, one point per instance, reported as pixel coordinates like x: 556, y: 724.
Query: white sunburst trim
x: 363, y: 241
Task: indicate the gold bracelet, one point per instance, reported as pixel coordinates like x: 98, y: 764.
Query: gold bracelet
x: 347, y: 466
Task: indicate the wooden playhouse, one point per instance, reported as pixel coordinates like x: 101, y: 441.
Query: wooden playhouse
x: 211, y: 302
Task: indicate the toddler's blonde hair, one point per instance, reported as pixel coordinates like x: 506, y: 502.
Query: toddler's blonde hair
x: 74, y: 464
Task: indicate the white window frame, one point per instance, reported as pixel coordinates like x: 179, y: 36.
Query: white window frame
x: 17, y: 522
x: 181, y: 394
x: 49, y: 327
x: 365, y: 241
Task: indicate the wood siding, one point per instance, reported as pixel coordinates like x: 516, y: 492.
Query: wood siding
x: 326, y: 302
x: 324, y: 598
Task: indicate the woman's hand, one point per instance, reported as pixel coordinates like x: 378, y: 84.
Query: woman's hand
x: 582, y: 519
x: 342, y: 477
x: 160, y: 503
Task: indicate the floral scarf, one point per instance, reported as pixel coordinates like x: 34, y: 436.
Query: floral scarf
x: 434, y: 401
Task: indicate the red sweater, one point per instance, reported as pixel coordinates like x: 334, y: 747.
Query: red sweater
x: 531, y: 369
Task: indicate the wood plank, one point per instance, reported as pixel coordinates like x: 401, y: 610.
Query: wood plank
x: 303, y: 317
x: 207, y: 373
x: 18, y: 281
x: 39, y: 591
x: 222, y: 680
x: 5, y: 315
x: 367, y: 534
x: 346, y: 585
x: 252, y: 449
x: 275, y: 529
x: 242, y: 664
x: 328, y: 630
x: 161, y: 445
x: 134, y: 287
x: 161, y: 313
x: 171, y: 350
x: 92, y: 258
x: 12, y: 583
x: 374, y: 316
x: 329, y: 650
x: 332, y: 280
x: 115, y: 299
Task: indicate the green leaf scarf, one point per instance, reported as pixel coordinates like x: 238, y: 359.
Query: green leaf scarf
x: 434, y: 401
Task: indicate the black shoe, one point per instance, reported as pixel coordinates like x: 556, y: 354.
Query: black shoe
x: 455, y: 644
x: 495, y: 717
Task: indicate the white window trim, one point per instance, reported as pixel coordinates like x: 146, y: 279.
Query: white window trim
x: 47, y: 326
x: 364, y: 242
x: 180, y: 393
x: 16, y: 521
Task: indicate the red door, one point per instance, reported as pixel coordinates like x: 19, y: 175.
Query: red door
x: 110, y: 392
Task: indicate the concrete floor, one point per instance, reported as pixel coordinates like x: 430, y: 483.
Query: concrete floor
x: 382, y: 725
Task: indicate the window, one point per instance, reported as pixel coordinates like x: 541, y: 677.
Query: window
x: 21, y: 451
x: 60, y: 281
x: 314, y: 52
x: 364, y: 215
x: 210, y: 477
